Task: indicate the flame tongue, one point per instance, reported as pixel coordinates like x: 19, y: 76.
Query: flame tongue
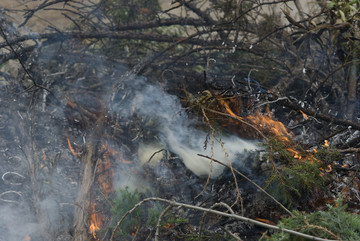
x: 274, y: 127
x: 95, y: 222
x: 266, y: 124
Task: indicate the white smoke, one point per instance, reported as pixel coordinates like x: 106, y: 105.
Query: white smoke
x: 178, y: 133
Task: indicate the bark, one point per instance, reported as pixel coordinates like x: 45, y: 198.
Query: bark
x: 351, y: 98
x: 81, y: 218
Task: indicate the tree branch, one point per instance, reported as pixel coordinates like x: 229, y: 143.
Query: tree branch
x: 209, y: 210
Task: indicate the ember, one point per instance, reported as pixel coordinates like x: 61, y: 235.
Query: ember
x: 70, y: 146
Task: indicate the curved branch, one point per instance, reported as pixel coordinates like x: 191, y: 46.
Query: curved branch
x: 209, y: 210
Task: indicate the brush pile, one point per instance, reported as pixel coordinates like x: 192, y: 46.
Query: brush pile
x: 207, y: 120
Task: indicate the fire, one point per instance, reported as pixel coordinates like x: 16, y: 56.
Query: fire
x: 70, y: 146
x: 168, y: 225
x: 266, y: 124
x: 326, y: 143
x: 276, y: 128
x: 95, y: 222
x: 265, y: 221
x: 104, y: 172
x: 134, y: 231
x: 304, y: 115
x: 27, y: 238
x: 44, y: 154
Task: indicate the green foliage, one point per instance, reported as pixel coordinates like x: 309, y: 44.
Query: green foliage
x: 327, y: 155
x: 345, y: 11
x: 291, y: 182
x: 335, y: 223
x: 293, y: 177
x: 143, y: 215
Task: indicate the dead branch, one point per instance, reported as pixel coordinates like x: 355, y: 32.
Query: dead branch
x: 209, y: 210
x: 158, y: 225
x: 349, y: 150
x: 43, y: 5
x: 82, y: 200
x: 62, y: 36
x: 316, y: 113
x: 31, y: 77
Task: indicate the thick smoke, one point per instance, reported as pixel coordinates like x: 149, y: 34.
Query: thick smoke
x: 178, y: 133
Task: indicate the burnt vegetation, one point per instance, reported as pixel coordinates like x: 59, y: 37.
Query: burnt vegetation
x: 93, y: 93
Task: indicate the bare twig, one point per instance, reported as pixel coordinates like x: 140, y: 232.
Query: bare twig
x: 158, y: 225
x: 237, y: 118
x: 34, y: 82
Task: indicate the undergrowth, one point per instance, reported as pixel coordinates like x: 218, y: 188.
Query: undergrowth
x: 145, y: 217
x: 335, y: 223
x: 293, y: 177
x: 142, y: 216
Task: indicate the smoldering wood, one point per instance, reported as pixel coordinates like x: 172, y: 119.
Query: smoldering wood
x: 81, y: 216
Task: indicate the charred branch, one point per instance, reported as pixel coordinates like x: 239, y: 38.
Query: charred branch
x: 317, y: 114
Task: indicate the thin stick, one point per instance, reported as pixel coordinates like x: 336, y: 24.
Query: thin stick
x: 158, y: 225
x: 249, y: 180
x: 238, y: 196
x: 234, y: 216
x: 242, y: 121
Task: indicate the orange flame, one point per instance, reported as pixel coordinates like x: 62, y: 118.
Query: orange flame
x: 70, y: 146
x: 326, y: 143
x: 266, y: 124
x: 168, y: 225
x: 95, y: 222
x: 304, y: 115
x: 104, y: 169
x: 27, y: 238
x: 134, y: 231
x: 265, y: 221
x: 44, y: 154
